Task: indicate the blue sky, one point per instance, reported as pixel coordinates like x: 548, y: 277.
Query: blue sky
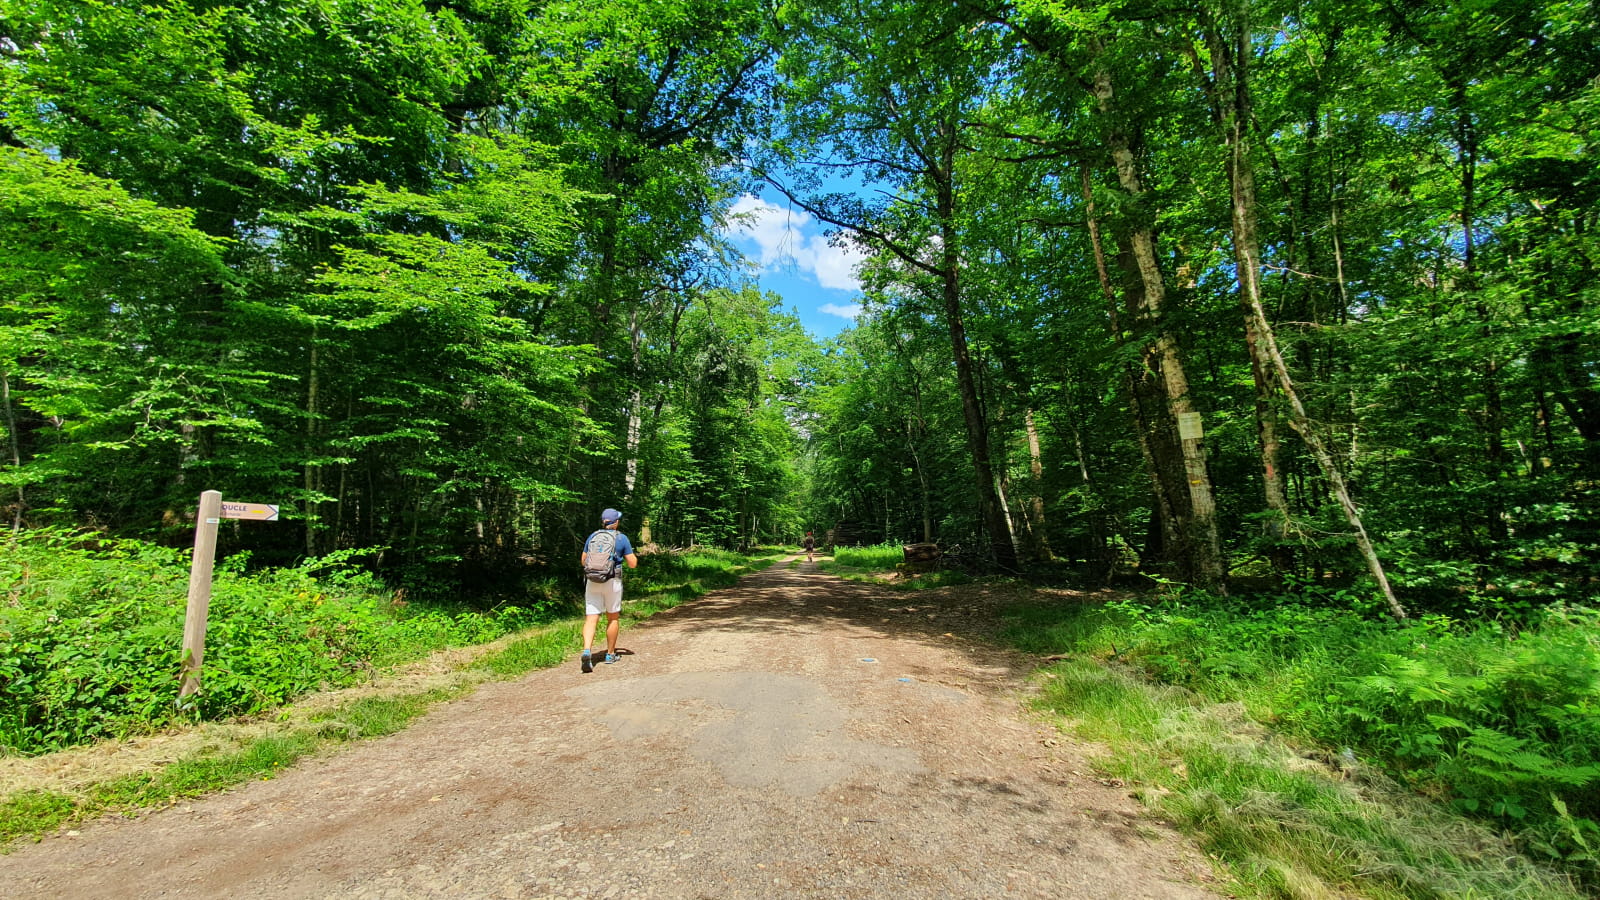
x: 797, y: 263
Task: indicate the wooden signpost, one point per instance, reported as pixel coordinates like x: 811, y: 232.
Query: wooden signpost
x: 213, y: 509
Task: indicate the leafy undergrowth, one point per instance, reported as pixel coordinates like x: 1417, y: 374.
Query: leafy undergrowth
x: 1435, y: 759
x: 880, y: 557
x: 92, y: 632
x: 91, y: 635
x: 880, y: 564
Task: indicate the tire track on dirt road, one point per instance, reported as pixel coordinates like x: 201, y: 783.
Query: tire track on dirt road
x: 793, y: 736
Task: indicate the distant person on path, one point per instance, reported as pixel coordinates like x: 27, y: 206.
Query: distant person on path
x: 604, y: 552
x: 810, y: 543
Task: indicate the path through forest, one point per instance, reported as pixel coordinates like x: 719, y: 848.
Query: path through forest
x: 794, y: 736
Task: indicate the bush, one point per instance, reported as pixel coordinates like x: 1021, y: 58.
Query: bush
x: 880, y: 557
x: 1504, y: 725
x: 91, y: 633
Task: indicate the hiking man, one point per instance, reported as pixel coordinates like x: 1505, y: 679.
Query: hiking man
x: 810, y: 543
x: 604, y: 552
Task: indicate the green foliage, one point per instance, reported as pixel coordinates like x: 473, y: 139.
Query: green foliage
x: 882, y: 557
x: 875, y: 563
x: 1500, y: 724
x: 548, y: 647
x: 33, y: 812
x: 1283, y: 828
x: 1426, y: 266
x: 36, y: 813
x: 426, y: 285
x: 705, y: 568
x: 93, y: 627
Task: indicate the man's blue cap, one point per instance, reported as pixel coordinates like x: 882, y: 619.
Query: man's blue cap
x: 609, y: 516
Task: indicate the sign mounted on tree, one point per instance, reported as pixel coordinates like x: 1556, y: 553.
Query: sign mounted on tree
x: 213, y: 509
x: 1190, y: 427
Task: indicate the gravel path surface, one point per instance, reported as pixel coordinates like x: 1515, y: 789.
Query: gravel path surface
x: 794, y: 736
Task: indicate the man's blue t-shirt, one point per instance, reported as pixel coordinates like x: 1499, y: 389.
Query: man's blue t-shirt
x: 623, y: 549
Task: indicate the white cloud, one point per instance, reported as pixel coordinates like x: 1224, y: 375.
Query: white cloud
x: 836, y: 267
x: 844, y: 311
x: 781, y: 239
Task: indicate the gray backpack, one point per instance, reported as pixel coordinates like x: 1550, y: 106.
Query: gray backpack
x: 600, y: 556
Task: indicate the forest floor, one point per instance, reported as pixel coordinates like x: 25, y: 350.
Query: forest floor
x: 794, y: 736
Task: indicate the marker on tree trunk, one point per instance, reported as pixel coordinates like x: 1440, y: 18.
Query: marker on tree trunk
x: 213, y: 509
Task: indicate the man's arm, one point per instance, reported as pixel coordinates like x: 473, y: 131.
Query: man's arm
x: 633, y: 561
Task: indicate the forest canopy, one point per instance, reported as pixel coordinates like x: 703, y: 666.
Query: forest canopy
x: 1217, y: 292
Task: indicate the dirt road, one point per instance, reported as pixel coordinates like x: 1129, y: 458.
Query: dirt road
x: 795, y: 736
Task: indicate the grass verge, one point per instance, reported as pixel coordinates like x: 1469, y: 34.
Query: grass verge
x: 881, y: 564
x: 1281, y: 821
x: 34, y: 813
x: 300, y: 731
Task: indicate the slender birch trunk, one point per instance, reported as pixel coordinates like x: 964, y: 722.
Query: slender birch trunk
x: 996, y: 522
x: 1247, y: 250
x: 1201, y: 551
x: 635, y: 406
x: 1036, y: 524
x: 310, y: 471
x: 1161, y: 509
x: 14, y: 444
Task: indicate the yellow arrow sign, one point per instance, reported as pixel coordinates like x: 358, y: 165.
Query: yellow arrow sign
x: 260, y: 511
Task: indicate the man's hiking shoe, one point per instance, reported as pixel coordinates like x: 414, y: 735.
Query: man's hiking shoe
x: 588, y: 663
x: 610, y: 658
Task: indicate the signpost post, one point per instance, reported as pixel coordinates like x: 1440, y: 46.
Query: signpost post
x: 213, y: 509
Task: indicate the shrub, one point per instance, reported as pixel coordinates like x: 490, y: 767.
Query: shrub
x: 91, y: 634
x: 879, y: 557
x: 1502, y: 724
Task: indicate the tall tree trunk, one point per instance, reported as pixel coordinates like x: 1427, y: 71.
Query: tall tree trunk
x: 1196, y: 517
x: 1232, y: 120
x: 1276, y: 527
x: 344, y: 471
x: 990, y: 510
x: 1234, y: 85
x: 1493, y: 422
x: 635, y: 406
x: 1573, y: 387
x: 1161, y: 510
x: 1041, y: 541
x: 310, y: 470
x: 14, y: 444
x: 923, y: 491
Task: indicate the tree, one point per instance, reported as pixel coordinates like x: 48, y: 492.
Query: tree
x: 889, y: 88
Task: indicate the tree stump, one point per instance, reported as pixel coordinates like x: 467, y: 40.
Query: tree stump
x: 919, y: 558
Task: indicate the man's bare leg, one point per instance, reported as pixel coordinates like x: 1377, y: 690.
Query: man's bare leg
x: 613, y: 625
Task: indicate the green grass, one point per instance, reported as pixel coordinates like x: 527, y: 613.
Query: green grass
x: 544, y: 649
x: 880, y: 564
x: 882, y: 557
x: 1281, y: 824
x: 36, y: 813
